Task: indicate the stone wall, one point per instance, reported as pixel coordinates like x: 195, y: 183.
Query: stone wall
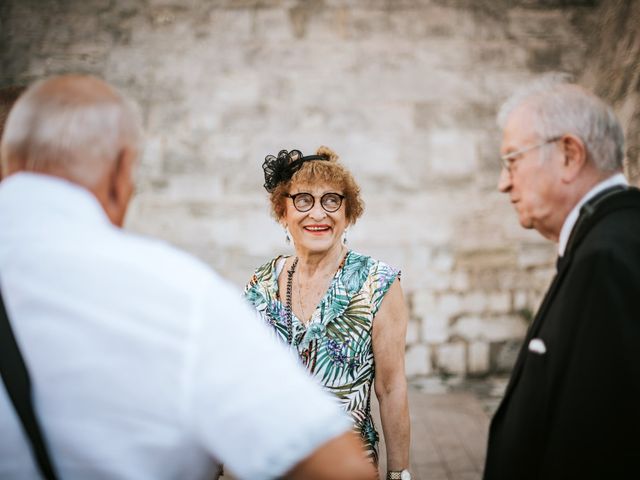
x: 614, y: 72
x: 405, y: 91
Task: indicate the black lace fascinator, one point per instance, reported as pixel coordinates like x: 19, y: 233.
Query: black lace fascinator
x: 281, y: 168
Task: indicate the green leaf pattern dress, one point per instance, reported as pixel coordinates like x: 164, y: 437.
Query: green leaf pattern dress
x: 336, y: 346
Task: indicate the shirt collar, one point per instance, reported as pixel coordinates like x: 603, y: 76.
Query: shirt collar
x: 570, y: 221
x: 26, y: 193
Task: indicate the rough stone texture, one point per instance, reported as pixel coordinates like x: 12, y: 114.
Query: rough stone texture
x: 478, y: 358
x: 405, y: 91
x: 413, y: 333
x: 452, y: 358
x: 418, y: 361
x: 614, y: 72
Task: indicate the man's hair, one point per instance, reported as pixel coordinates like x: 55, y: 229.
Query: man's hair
x: 559, y: 107
x: 76, y: 125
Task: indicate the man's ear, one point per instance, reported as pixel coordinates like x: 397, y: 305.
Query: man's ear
x: 575, y: 156
x: 121, y: 185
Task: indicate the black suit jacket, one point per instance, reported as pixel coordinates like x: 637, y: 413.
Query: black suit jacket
x: 573, y: 412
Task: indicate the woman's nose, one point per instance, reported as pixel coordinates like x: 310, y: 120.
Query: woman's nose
x: 317, y: 212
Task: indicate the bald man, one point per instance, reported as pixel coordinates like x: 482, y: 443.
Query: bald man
x: 144, y: 362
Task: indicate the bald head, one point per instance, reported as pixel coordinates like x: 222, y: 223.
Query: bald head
x: 75, y: 127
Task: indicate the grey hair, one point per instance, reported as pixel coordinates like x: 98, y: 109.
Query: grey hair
x: 560, y: 107
x: 78, y: 128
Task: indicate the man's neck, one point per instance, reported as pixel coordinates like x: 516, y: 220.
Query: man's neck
x: 602, y: 183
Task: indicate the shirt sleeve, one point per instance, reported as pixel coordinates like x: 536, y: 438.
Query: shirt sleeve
x: 250, y: 403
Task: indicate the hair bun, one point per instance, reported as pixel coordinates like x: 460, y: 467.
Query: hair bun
x: 328, y: 153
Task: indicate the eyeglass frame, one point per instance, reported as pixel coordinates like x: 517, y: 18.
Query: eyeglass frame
x: 313, y: 197
x: 508, y: 159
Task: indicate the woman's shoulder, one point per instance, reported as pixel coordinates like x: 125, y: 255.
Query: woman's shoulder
x: 371, y: 264
x: 376, y: 277
x: 363, y: 271
x: 266, y: 273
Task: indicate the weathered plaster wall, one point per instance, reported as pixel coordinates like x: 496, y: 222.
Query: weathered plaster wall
x: 406, y: 92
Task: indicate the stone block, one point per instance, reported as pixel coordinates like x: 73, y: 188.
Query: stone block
x: 413, y: 332
x: 460, y: 281
x: 540, y: 278
x: 474, y: 302
x: 435, y: 328
x: 417, y: 361
x: 478, y: 358
x: 461, y: 114
x: 451, y: 358
x: 449, y: 304
x: 469, y: 327
x: 486, y: 259
x: 499, y: 302
x: 452, y: 153
x: 423, y: 303
x: 435, y: 281
x: 491, y: 329
x: 505, y: 327
x: 442, y: 261
x: 537, y: 254
x: 520, y: 300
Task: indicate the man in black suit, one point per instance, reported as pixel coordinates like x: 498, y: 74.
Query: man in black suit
x: 572, y: 407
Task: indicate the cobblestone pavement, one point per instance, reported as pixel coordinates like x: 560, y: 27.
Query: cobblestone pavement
x: 449, y: 426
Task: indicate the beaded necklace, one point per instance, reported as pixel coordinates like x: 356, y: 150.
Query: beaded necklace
x: 288, y: 307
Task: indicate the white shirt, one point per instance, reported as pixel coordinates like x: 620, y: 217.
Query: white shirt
x: 572, y: 218
x: 145, y: 363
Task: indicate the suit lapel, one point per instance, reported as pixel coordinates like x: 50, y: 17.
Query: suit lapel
x: 535, y: 326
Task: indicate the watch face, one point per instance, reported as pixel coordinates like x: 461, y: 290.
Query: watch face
x: 405, y: 475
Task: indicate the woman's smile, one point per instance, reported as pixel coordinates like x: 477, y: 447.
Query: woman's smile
x: 317, y: 229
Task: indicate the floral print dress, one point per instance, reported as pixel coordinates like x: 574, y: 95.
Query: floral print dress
x: 336, y: 345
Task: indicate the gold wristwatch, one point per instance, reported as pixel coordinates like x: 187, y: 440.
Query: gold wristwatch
x: 403, y: 475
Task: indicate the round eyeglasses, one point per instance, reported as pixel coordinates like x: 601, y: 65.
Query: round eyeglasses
x: 330, y: 202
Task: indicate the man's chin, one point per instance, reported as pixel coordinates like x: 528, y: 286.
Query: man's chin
x: 526, y: 223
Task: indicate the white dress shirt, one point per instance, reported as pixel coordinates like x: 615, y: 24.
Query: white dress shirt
x: 145, y: 363
x: 572, y: 218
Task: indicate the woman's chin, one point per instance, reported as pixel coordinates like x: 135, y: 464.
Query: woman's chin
x: 317, y: 245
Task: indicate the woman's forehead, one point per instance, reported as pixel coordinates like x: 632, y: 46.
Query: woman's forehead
x: 314, y: 188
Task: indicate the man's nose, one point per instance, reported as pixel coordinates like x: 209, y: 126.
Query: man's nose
x: 504, y: 181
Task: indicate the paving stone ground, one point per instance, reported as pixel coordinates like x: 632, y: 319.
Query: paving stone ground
x: 448, y: 435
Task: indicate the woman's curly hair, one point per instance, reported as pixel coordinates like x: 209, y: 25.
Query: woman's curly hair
x: 314, y: 172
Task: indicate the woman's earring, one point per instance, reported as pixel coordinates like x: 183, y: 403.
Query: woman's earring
x: 344, y: 237
x: 287, y: 234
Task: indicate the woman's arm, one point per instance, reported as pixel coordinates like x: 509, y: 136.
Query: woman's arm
x: 389, y: 333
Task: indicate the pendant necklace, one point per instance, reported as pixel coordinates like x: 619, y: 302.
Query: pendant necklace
x: 304, y: 315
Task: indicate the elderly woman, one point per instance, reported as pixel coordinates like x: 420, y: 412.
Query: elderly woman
x: 341, y: 311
